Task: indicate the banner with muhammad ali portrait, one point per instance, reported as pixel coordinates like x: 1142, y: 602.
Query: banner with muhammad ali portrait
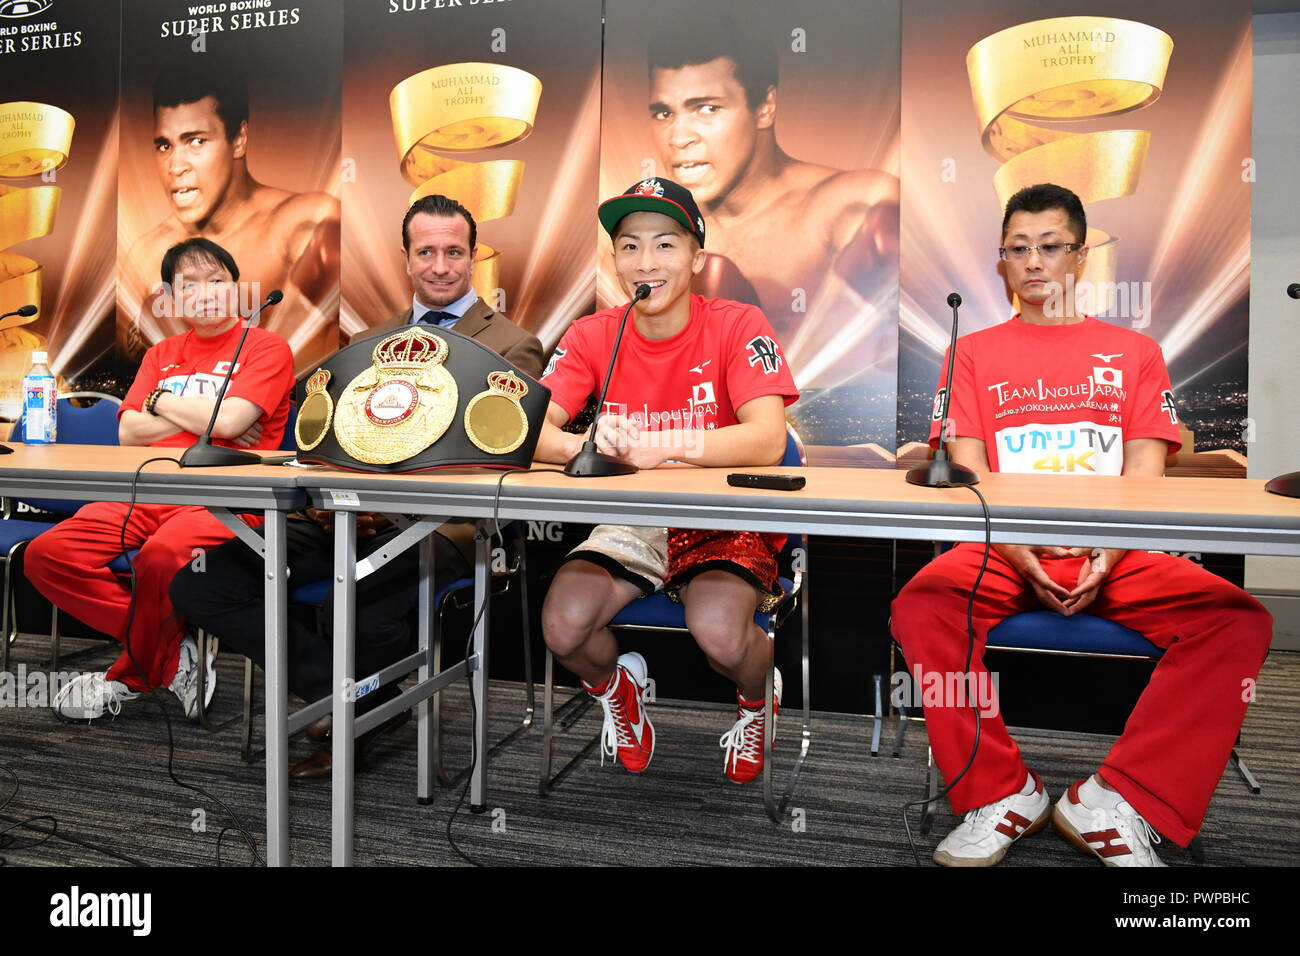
x: 230, y: 131
x: 782, y: 119
x: 1144, y: 112
x: 58, y: 175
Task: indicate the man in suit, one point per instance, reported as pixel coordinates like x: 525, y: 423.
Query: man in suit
x: 438, y: 241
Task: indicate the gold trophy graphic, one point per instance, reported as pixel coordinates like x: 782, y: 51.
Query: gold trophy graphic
x: 1069, y: 69
x: 459, y: 108
x: 34, y: 138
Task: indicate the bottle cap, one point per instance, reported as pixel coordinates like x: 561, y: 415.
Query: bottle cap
x: 40, y: 358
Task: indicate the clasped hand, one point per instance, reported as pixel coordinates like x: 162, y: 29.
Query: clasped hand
x: 368, y: 523
x: 621, y: 437
x: 1093, y: 572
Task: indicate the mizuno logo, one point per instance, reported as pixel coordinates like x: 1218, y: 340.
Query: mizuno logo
x: 699, y: 369
x: 1106, y: 358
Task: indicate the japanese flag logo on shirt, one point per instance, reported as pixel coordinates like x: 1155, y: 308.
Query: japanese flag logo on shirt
x: 1105, y: 375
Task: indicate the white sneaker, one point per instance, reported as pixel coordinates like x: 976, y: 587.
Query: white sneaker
x: 985, y: 834
x: 1118, y: 837
x: 185, y: 685
x: 88, y: 696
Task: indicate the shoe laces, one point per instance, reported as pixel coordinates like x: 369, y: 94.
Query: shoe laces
x: 982, y: 820
x: 1134, y: 828
x: 114, y: 703
x: 744, y: 741
x: 94, y: 689
x: 617, y: 729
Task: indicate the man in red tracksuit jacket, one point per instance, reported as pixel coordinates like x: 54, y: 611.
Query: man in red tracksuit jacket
x: 168, y: 406
x: 1055, y: 391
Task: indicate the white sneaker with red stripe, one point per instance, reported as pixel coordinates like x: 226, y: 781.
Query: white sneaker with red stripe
x: 627, y: 732
x: 985, y: 834
x: 743, y: 743
x: 1117, y: 837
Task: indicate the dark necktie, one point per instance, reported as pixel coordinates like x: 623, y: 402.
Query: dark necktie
x: 436, y: 318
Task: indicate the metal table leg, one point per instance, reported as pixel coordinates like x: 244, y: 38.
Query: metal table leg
x: 426, y: 765
x: 482, y: 602
x: 277, y: 690
x: 345, y: 553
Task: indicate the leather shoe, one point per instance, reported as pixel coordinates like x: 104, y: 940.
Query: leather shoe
x: 320, y: 765
x: 318, y: 731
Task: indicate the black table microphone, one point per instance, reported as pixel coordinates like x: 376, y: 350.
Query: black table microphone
x: 204, y: 454
x: 589, y: 463
x: 940, y: 472
x: 1287, y: 485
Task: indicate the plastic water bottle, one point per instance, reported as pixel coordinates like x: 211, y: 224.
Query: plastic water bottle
x: 40, y: 399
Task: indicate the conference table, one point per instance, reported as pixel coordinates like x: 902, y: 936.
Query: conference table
x: 105, y: 473
x: 1185, y: 514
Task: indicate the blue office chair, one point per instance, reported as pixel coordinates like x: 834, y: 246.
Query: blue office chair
x: 456, y: 595
x: 94, y: 424
x: 657, y: 612
x: 1080, y: 635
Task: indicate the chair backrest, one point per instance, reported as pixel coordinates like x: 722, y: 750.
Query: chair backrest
x: 290, y: 440
x: 794, y: 450
x: 795, y: 456
x: 94, y: 424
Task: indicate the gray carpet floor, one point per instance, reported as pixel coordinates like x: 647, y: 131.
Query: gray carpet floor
x: 107, y: 786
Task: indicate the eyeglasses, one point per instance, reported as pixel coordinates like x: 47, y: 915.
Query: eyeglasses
x: 1048, y: 250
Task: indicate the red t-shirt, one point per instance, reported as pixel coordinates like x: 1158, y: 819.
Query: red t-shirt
x: 1058, y: 398
x: 191, y: 366
x: 726, y: 356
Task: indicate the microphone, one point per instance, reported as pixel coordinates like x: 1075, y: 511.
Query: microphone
x: 1287, y: 485
x: 204, y: 454
x: 940, y: 472
x: 26, y: 311
x: 588, y: 462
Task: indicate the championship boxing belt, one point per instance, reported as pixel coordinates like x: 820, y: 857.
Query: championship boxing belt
x: 418, y: 398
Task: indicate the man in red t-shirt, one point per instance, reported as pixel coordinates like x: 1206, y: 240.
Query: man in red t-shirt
x: 1053, y: 391
x: 168, y: 406
x: 697, y: 380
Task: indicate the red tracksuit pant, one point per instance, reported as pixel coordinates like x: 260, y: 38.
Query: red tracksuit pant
x: 69, y: 565
x: 1180, y: 734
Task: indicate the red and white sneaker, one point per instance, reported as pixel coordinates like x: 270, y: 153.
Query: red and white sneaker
x: 986, y: 833
x: 1117, y: 837
x: 627, y: 733
x: 743, y: 743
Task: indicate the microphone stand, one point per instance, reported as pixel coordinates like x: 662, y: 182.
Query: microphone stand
x: 941, y: 472
x: 588, y: 462
x: 204, y: 454
x: 1287, y: 485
